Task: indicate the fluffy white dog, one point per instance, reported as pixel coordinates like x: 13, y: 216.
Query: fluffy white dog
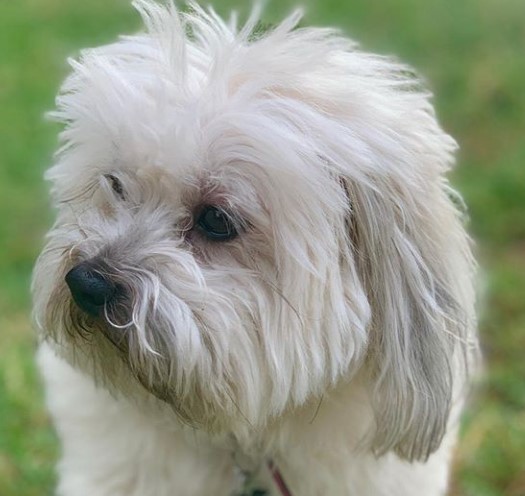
x: 258, y: 281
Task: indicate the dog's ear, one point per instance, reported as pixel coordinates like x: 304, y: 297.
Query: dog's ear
x: 413, y: 256
x: 379, y: 136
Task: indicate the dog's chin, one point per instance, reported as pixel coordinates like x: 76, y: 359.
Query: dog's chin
x: 105, y: 348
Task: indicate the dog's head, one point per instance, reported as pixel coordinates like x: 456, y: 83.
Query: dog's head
x: 246, y: 219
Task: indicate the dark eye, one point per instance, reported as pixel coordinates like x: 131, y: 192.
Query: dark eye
x: 216, y: 224
x: 116, y: 185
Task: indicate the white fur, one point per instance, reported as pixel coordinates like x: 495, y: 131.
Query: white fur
x: 333, y: 335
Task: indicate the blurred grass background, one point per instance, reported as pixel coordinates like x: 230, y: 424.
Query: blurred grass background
x: 472, y: 52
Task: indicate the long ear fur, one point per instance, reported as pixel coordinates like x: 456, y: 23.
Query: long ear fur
x: 378, y: 133
x: 415, y: 263
x: 381, y: 138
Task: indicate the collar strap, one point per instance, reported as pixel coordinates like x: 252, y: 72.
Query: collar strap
x: 278, y: 478
x: 248, y: 471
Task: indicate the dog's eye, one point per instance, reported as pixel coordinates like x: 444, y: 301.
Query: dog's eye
x: 216, y: 224
x: 116, y: 185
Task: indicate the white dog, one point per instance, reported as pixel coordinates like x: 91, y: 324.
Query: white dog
x: 258, y: 282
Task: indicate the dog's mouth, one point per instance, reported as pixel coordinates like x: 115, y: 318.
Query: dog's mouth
x: 88, y: 329
x: 91, y: 323
x: 112, y: 319
x: 102, y: 306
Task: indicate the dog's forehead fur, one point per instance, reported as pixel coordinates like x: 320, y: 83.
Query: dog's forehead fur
x: 197, y: 92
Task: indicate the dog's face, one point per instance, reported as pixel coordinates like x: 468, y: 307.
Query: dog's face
x: 243, y: 222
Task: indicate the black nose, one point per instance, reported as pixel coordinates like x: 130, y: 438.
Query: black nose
x: 89, y: 288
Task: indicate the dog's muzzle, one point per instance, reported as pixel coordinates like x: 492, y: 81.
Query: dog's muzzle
x: 91, y: 290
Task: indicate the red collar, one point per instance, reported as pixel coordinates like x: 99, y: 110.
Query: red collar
x: 278, y: 478
x: 249, y: 472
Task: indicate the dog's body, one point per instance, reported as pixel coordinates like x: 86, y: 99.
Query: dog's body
x: 256, y: 259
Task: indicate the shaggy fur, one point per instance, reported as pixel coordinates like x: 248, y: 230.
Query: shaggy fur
x: 333, y: 334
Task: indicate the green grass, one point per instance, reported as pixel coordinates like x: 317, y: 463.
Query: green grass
x: 472, y: 54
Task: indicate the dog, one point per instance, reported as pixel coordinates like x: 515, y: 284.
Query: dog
x: 259, y: 280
